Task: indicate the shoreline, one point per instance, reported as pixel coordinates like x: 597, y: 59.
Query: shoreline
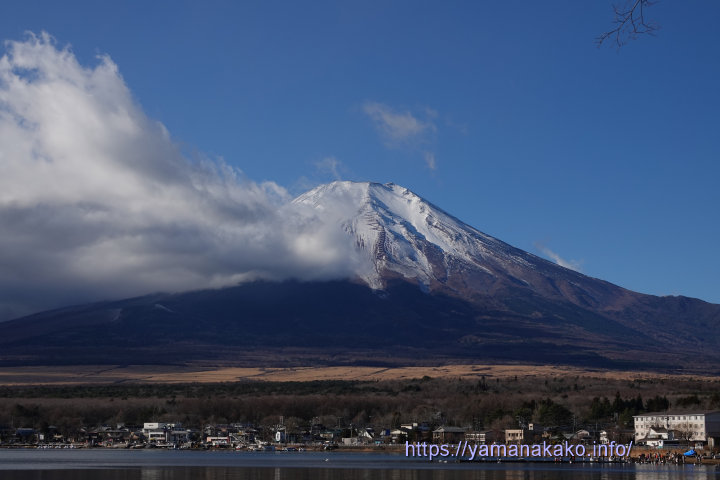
x: 392, y: 450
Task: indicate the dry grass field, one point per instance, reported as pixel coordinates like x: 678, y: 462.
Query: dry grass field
x: 79, y: 375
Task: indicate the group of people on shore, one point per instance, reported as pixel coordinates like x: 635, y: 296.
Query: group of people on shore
x: 667, y: 458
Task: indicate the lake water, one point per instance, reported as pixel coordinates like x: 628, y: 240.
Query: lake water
x: 182, y: 465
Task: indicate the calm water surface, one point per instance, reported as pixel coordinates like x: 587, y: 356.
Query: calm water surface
x: 181, y: 465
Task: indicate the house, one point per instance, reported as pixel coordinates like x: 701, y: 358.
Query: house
x: 398, y: 435
x: 660, y: 437
x: 482, y: 437
x: 517, y: 435
x: 584, y: 436
x: 155, y: 432
x: 331, y: 435
x: 219, y: 441
x: 25, y: 435
x: 158, y: 432
x: 417, y: 432
x: 245, y: 435
x: 364, y: 436
x: 617, y: 435
x: 533, y: 432
x: 448, y: 434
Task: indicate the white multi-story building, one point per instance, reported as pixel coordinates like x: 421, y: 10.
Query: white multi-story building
x: 693, y: 427
x: 157, y: 432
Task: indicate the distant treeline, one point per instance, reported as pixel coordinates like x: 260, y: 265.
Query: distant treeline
x: 193, y: 390
x: 482, y: 403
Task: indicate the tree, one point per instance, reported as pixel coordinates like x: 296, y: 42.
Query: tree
x: 658, y: 404
x: 600, y: 409
x: 685, y: 434
x: 630, y: 21
x: 551, y: 413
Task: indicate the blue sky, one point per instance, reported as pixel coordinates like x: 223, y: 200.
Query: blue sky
x: 505, y: 114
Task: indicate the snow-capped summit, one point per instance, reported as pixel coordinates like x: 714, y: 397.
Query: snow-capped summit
x: 481, y: 299
x: 399, y: 233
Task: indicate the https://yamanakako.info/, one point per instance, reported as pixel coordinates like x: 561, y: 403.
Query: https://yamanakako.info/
x: 470, y: 451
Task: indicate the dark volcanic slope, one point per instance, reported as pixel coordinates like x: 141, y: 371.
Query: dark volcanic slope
x: 340, y: 323
x: 429, y: 288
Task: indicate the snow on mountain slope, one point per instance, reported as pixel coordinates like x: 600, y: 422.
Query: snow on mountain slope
x: 399, y: 232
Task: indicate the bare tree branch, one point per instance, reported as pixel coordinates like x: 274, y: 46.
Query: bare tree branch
x: 629, y: 22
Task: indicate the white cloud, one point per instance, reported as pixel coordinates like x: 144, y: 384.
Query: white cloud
x: 430, y: 160
x: 97, y: 201
x: 398, y: 127
x: 329, y: 166
x: 404, y: 129
x: 571, y: 264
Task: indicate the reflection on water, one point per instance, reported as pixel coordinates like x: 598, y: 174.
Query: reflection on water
x: 133, y: 465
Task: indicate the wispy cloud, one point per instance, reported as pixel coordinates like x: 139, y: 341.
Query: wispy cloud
x: 571, y: 264
x: 405, y: 129
x: 430, y: 160
x: 397, y: 126
x: 97, y: 201
x: 329, y: 166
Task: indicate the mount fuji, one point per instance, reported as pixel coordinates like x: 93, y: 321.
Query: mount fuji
x: 427, y: 289
x: 400, y: 235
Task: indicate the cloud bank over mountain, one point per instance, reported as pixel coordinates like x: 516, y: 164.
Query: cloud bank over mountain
x: 97, y: 200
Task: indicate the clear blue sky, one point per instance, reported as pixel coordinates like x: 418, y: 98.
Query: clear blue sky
x: 609, y: 158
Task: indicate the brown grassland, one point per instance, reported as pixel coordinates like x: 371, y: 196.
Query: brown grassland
x: 81, y: 375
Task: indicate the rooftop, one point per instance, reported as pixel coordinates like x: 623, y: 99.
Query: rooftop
x: 677, y: 412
